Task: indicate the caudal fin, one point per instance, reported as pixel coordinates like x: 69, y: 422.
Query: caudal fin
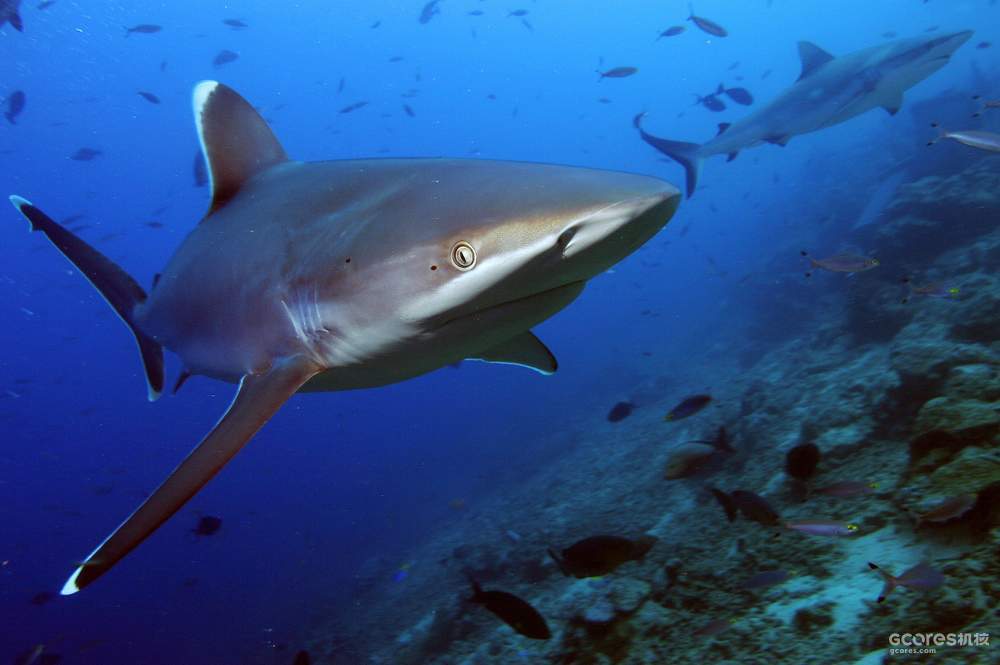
x: 685, y: 154
x: 942, y: 132
x: 890, y: 582
x: 15, y: 20
x: 114, y: 284
x: 559, y: 562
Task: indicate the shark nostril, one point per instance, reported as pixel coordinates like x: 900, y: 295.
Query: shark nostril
x: 566, y: 237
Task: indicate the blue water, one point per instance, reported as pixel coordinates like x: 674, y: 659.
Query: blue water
x: 336, y: 479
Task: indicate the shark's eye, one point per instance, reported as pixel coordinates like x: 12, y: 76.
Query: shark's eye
x: 463, y: 256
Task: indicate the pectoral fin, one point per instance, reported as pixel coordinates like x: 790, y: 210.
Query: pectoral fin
x: 259, y: 397
x: 892, y: 102
x: 525, y: 350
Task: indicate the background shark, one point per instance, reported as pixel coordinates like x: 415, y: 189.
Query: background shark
x: 352, y: 274
x: 829, y: 91
x: 10, y: 13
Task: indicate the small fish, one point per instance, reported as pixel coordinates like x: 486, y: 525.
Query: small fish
x: 208, y: 525
x: 705, y: 25
x: 738, y: 95
x: 922, y: 577
x: 375, y: 25
x: 765, y: 579
x: 802, y: 460
x: 620, y: 412
x: 767, y: 72
x: 224, y: 57
x: 822, y: 527
x: 527, y: 25
x: 409, y: 111
x: 149, y: 97
x: 672, y: 31
x: 687, y: 460
x: 949, y: 509
x: 714, y: 627
x: 974, y: 138
x: 15, y: 106
x: 848, y: 488
x: 43, y: 598
x: 353, y: 107
x: 603, y: 100
x: 517, y: 12
x: 513, y: 611
x: 689, y: 406
x: 711, y: 102
x: 475, y: 12
x: 42, y: 6
x: 982, y: 45
x: 429, y: 11
x: 200, y: 170
x: 932, y: 290
x: 396, y: 58
x: 890, y: 34
x: 85, y: 154
x: 600, y: 555
x: 617, y: 73
x: 341, y: 84
x: 143, y: 29
x: 754, y: 507
x: 235, y: 23
x: 726, y: 502
x: 155, y: 225
x: 850, y: 263
x: 985, y: 105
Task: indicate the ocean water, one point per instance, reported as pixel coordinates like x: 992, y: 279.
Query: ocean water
x: 339, y: 517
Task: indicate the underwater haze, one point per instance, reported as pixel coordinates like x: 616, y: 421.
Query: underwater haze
x: 773, y: 431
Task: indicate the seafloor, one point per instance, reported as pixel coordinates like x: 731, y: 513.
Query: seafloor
x: 905, y: 395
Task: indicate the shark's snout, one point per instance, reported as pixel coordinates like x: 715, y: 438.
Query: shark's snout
x: 613, y: 232
x: 945, y: 45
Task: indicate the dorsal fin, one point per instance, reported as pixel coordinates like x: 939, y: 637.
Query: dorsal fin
x: 812, y: 57
x: 236, y: 141
x: 723, y: 126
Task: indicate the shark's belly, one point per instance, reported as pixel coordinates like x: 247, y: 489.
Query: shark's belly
x: 429, y: 349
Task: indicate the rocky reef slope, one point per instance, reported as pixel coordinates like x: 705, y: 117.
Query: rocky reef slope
x: 898, y: 387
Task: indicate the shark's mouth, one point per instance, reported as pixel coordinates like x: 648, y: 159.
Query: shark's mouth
x: 535, y: 307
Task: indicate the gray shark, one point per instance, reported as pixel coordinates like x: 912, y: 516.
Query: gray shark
x: 10, y: 13
x: 352, y: 274
x: 829, y: 91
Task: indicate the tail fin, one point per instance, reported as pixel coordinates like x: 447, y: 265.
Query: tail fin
x: 118, y: 289
x: 15, y: 20
x: 559, y: 562
x: 476, y: 589
x: 941, y: 133
x: 890, y: 582
x: 685, y: 154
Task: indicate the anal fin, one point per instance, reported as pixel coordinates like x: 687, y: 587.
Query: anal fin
x: 525, y: 350
x: 259, y: 397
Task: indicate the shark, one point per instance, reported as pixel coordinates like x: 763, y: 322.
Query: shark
x: 10, y: 13
x: 830, y: 90
x: 344, y: 274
